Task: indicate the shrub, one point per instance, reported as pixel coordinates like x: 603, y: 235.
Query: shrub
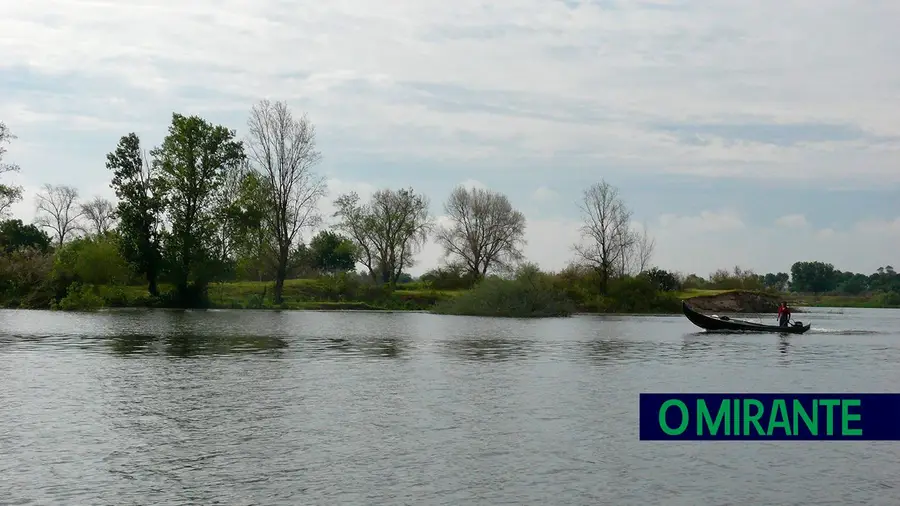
x: 530, y: 294
x: 79, y: 297
x: 448, y: 278
x: 24, y: 279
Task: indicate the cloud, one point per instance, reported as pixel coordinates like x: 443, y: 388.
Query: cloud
x: 792, y: 221
x: 654, y: 86
x: 470, y: 184
x: 705, y: 222
x: 510, y: 95
x: 544, y: 194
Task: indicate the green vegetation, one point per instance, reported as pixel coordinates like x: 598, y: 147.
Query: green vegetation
x: 205, y: 220
x: 530, y: 293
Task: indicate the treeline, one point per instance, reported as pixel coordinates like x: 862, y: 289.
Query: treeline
x: 807, y: 277
x: 204, y: 207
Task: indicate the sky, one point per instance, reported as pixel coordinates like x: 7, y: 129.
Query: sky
x: 753, y: 133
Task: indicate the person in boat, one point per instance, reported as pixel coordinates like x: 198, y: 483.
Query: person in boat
x: 784, y: 314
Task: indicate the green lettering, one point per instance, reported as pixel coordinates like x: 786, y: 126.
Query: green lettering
x: 846, y: 417
x: 754, y: 418
x: 829, y: 415
x: 704, y: 418
x: 812, y: 424
x: 737, y: 417
x: 684, y: 417
x: 779, y: 408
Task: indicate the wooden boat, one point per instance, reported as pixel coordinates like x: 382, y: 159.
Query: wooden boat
x: 724, y: 323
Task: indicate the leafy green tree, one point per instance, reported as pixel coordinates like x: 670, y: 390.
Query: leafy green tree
x: 191, y: 164
x: 331, y: 252
x: 854, y: 284
x: 251, y: 233
x: 242, y: 208
x: 814, y: 277
x: 777, y: 281
x: 885, y: 279
x: 16, y: 236
x: 663, y: 280
x: 93, y: 260
x: 139, y: 209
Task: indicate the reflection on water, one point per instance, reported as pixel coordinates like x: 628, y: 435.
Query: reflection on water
x: 367, y: 408
x: 611, y: 350
x: 784, y: 343
x: 192, y: 345
x: 489, y: 349
x: 387, y: 347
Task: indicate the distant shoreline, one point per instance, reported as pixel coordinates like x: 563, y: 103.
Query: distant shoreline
x: 256, y: 296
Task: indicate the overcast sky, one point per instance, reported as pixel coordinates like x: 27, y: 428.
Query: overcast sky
x: 754, y: 132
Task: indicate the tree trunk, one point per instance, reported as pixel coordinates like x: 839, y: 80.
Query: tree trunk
x: 151, y: 284
x: 280, y: 275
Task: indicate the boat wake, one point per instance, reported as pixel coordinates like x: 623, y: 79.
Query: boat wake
x: 842, y: 332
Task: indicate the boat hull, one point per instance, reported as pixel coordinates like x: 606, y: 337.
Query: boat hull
x: 724, y: 324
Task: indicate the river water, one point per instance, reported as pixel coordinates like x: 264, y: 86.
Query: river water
x: 270, y: 408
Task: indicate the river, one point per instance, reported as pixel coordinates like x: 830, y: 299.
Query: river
x: 270, y: 408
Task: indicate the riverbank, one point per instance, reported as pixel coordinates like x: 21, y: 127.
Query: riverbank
x: 335, y: 294
x: 870, y: 301
x: 298, y: 294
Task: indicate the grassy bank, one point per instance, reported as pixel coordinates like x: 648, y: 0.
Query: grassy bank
x: 543, y: 295
x: 878, y: 300
x: 320, y: 293
x: 874, y: 301
x: 531, y: 294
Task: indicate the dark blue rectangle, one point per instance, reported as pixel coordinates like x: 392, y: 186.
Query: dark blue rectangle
x: 784, y: 416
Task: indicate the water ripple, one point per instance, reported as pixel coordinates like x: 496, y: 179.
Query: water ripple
x: 256, y: 407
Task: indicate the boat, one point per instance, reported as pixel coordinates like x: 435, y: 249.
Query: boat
x: 724, y: 323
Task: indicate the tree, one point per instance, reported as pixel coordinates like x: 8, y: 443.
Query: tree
x: 854, y: 284
x: 58, y: 210
x: 331, y: 252
x: 605, y: 230
x: 815, y: 277
x: 100, y: 214
x: 242, y: 209
x: 252, y: 234
x: 642, y: 250
x: 663, y: 280
x: 16, y: 236
x: 94, y: 260
x: 191, y: 164
x: 485, y: 231
x: 387, y: 231
x: 139, y: 208
x: 9, y: 194
x: 777, y: 281
x: 284, y: 151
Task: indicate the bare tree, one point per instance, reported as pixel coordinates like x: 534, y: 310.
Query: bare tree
x: 643, y: 248
x: 9, y: 194
x: 486, y: 231
x: 58, y: 210
x: 605, y: 232
x: 388, y: 231
x: 284, y: 151
x: 100, y: 214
